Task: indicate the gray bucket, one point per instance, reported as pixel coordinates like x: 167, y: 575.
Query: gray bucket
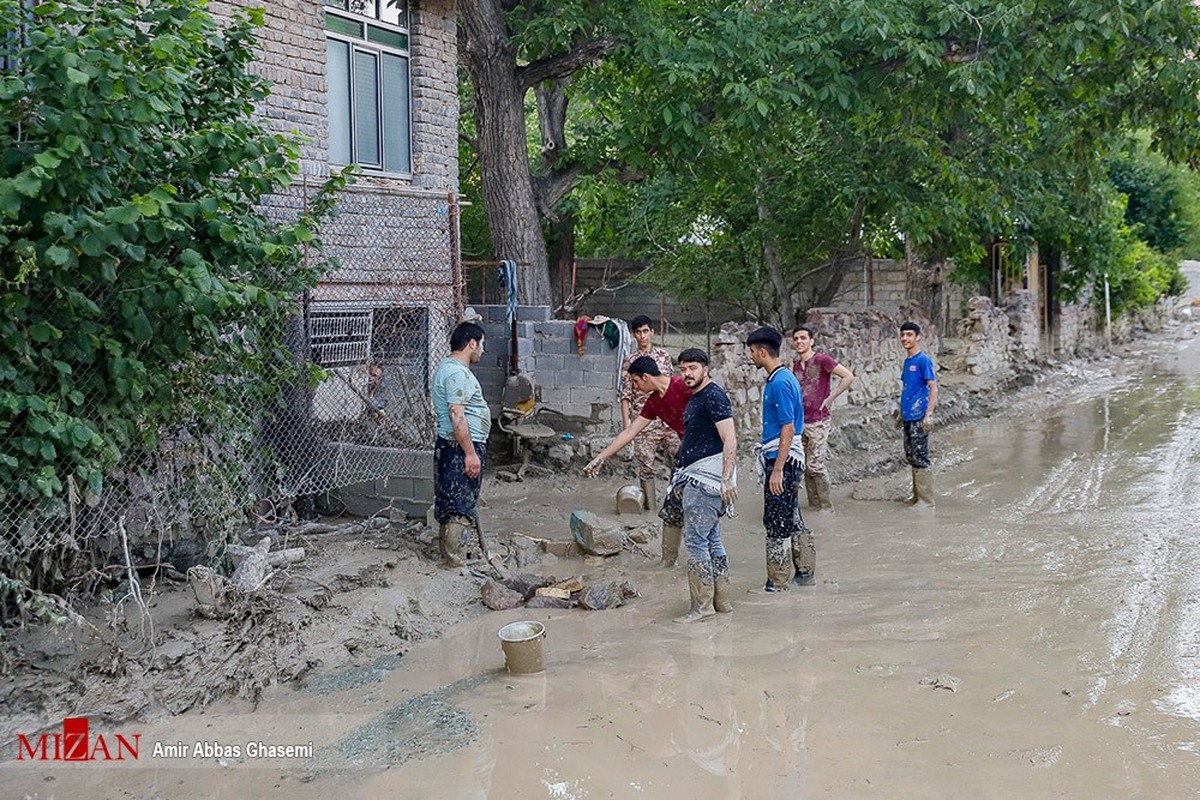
x: 630, y: 500
x: 522, y: 645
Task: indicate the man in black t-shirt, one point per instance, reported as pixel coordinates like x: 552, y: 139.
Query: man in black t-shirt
x: 705, y: 485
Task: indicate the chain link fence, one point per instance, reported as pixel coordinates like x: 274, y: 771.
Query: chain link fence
x: 376, y: 326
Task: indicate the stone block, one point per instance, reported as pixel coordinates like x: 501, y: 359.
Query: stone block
x: 596, y: 536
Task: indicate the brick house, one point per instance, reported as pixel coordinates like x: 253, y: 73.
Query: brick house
x: 371, y: 83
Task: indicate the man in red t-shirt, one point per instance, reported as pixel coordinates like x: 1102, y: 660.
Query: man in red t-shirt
x: 668, y: 397
x: 814, y: 371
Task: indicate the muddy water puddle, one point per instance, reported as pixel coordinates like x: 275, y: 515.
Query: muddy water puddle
x: 1038, y: 635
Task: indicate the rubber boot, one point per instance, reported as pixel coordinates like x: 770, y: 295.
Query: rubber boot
x: 824, y: 502
x: 804, y: 558
x: 672, y: 536
x: 452, y: 541
x: 649, y: 498
x: 721, y: 601
x: 912, y: 499
x: 923, y: 487
x: 779, y: 564
x: 700, y: 587
x: 810, y: 487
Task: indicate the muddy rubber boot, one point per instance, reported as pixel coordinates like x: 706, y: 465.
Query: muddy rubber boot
x: 451, y: 540
x: 649, y: 496
x: 824, y: 501
x: 779, y: 565
x: 672, y: 537
x: 911, y: 499
x: 810, y: 488
x: 721, y: 601
x: 923, y: 487
x: 804, y: 558
x: 700, y: 587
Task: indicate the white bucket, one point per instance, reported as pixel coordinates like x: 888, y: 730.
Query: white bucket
x: 522, y: 645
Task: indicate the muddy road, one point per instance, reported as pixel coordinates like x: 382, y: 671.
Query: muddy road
x: 1037, y: 635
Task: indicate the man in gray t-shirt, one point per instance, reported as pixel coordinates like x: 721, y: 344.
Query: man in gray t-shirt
x: 463, y: 422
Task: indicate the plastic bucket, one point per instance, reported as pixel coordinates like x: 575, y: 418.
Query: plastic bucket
x: 522, y: 645
x: 630, y: 500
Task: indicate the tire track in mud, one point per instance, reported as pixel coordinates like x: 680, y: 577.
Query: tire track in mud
x: 1125, y: 510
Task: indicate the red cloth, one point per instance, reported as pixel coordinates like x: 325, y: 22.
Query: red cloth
x: 669, y: 407
x: 581, y: 332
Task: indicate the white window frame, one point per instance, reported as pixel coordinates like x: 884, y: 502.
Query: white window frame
x: 376, y: 40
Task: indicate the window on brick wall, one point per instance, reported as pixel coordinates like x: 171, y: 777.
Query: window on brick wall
x: 366, y: 67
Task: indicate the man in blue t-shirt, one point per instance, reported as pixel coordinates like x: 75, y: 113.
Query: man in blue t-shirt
x: 463, y: 423
x: 779, y: 459
x: 918, y: 399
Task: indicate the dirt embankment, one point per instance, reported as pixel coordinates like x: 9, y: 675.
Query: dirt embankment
x: 349, y: 611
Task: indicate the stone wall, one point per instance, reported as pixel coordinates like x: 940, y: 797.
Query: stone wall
x: 983, y: 345
x: 865, y: 339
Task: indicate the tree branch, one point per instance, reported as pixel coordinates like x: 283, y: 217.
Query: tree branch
x: 564, y: 64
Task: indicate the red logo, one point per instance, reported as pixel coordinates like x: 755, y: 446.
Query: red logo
x: 75, y: 744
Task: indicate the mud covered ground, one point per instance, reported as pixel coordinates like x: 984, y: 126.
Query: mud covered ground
x: 346, y: 623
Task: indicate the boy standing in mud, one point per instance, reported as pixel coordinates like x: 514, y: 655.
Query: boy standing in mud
x: 779, y: 461
x: 463, y: 422
x: 656, y: 435
x: 918, y: 399
x: 814, y: 370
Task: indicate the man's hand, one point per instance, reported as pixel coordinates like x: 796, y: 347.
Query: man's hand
x: 728, y: 492
x: 827, y: 403
x: 473, y: 465
x: 776, y: 482
x: 896, y: 418
x: 927, y: 423
x: 593, y: 467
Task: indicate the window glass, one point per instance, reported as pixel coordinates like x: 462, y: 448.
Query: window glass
x: 366, y: 108
x: 394, y: 12
x: 395, y: 114
x: 337, y: 59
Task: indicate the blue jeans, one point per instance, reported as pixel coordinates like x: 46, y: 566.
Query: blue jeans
x: 702, y: 510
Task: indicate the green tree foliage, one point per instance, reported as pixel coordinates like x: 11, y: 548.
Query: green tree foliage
x: 826, y: 125
x: 142, y: 289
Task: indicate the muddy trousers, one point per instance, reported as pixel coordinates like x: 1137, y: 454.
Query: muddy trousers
x: 783, y: 523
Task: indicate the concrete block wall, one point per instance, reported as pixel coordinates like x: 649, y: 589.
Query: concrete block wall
x: 580, y: 386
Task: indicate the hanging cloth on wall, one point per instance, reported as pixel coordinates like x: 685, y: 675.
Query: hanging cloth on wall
x: 506, y: 276
x: 581, y: 332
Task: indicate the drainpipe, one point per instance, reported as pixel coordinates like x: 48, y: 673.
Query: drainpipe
x: 1107, y: 312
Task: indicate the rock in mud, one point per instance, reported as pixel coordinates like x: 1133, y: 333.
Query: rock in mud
x: 499, y: 597
x: 526, y: 584
x: 594, y: 536
x: 607, y: 595
x: 543, y: 601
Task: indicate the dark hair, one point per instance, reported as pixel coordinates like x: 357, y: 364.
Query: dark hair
x: 644, y: 365
x: 641, y: 320
x: 911, y: 326
x: 693, y: 355
x: 807, y: 329
x: 464, y: 334
x: 767, y: 338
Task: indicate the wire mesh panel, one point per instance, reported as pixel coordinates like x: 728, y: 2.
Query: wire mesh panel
x: 375, y: 326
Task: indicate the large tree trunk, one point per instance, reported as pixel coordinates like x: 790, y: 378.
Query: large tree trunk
x: 844, y: 257
x: 508, y: 195
x: 770, y: 250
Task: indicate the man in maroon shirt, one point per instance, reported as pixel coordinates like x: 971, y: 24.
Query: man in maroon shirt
x: 814, y: 370
x: 668, y: 397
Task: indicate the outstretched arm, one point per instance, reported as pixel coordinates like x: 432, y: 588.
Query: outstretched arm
x: 623, y: 438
